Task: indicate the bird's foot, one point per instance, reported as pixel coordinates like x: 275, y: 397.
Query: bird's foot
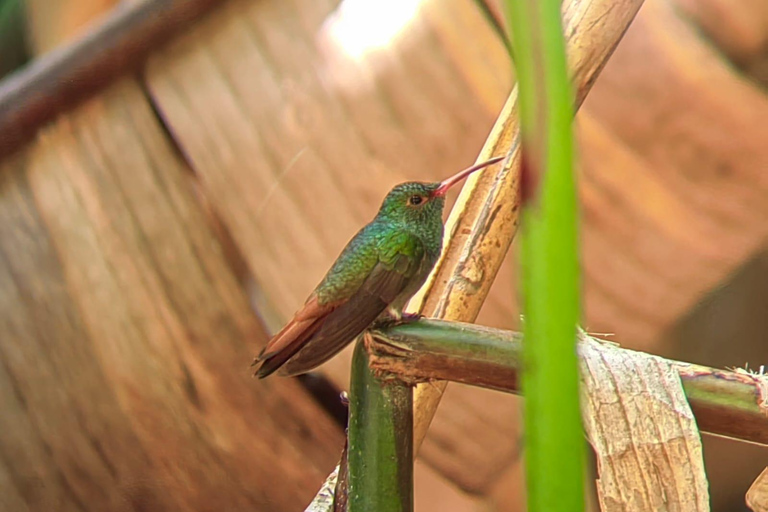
x: 395, y: 317
x: 400, y: 317
x: 410, y: 317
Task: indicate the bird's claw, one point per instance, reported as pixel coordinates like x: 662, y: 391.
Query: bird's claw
x: 401, y: 317
x: 409, y: 317
x: 395, y: 318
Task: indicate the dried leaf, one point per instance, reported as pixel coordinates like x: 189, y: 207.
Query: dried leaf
x: 643, y: 432
x: 323, y: 502
x: 757, y: 495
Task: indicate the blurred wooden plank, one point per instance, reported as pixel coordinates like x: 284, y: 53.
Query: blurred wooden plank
x: 44, y: 390
x: 679, y: 203
x: 52, y: 23
x: 55, y: 82
x: 127, y: 338
x: 476, y: 436
x: 433, y: 493
x: 738, y: 27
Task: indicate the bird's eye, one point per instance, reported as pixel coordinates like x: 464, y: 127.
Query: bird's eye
x: 415, y: 200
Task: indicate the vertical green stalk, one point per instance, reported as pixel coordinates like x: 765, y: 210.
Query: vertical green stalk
x: 550, y: 272
x: 13, y: 45
x: 380, y: 452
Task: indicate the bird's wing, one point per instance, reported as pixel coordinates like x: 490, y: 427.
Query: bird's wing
x: 319, y: 332
x: 293, y: 336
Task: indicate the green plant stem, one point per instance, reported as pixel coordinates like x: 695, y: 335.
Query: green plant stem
x: 727, y: 403
x: 13, y: 46
x: 380, y: 453
x: 554, y: 440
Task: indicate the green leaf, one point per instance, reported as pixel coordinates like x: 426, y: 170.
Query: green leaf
x: 549, y: 254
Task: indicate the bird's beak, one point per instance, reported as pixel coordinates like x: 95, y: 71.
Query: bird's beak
x: 449, y: 182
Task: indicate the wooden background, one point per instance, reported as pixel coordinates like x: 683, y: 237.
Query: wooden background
x: 152, y: 237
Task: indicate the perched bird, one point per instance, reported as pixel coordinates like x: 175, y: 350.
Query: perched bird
x: 377, y: 272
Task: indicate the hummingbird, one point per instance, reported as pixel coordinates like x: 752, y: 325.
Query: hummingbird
x: 373, y: 278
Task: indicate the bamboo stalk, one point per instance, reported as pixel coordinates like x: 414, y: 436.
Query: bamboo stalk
x: 380, y: 437
x: 484, y: 221
x: 726, y: 403
x: 62, y: 77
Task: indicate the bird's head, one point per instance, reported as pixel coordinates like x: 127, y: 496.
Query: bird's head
x: 418, y: 202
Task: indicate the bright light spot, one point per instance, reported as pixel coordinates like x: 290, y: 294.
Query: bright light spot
x: 361, y: 26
